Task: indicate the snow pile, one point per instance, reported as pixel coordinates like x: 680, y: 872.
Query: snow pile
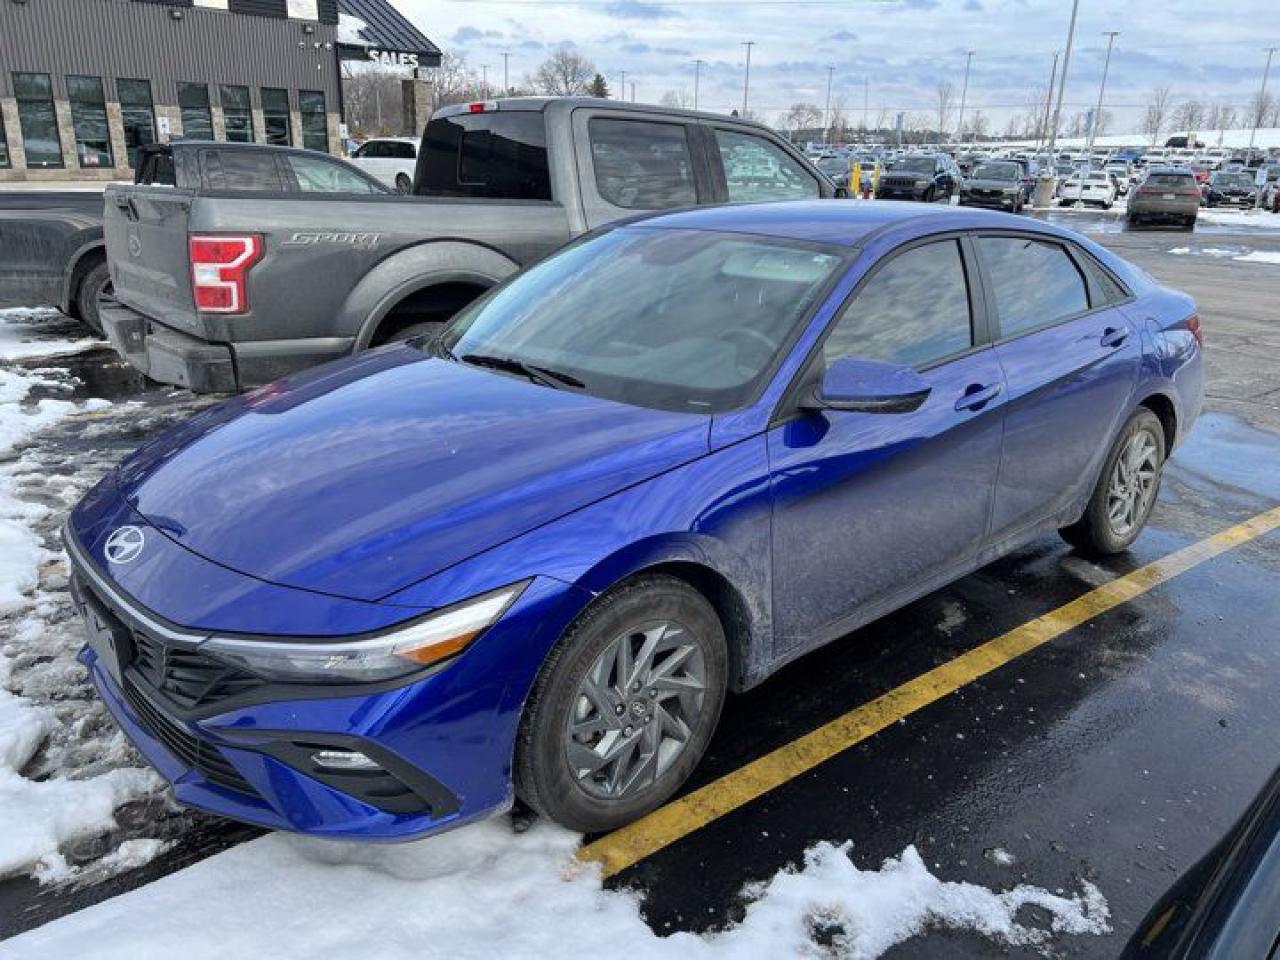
x: 484, y: 892
x: 1260, y: 256
x: 58, y: 783
x: 1259, y: 219
x: 26, y: 332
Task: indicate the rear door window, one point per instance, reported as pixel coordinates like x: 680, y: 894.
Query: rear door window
x: 249, y: 169
x: 493, y: 155
x: 756, y: 169
x: 641, y: 165
x: 914, y: 310
x: 1035, y: 282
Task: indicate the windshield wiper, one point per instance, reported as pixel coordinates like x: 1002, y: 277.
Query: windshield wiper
x: 538, y: 374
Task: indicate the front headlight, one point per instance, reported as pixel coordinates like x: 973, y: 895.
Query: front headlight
x: 396, y: 653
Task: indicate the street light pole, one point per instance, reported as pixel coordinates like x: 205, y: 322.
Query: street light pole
x: 866, y: 103
x: 622, y: 85
x: 1262, y: 99
x: 697, y: 71
x: 1106, y: 65
x: 1043, y: 133
x: 964, y: 93
x: 1062, y: 80
x: 506, y: 75
x: 746, y: 77
x: 484, y: 80
x: 826, y: 114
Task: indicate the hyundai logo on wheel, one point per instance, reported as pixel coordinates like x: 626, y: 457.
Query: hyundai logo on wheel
x: 124, y: 544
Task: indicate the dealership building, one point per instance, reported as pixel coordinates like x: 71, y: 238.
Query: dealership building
x: 84, y: 83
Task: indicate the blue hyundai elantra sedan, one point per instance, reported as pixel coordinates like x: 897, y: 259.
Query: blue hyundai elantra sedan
x: 531, y: 556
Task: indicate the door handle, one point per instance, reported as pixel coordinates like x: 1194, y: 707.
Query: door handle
x: 1114, y: 336
x: 976, y: 396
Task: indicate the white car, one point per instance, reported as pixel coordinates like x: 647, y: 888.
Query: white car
x: 1094, y: 187
x: 391, y: 159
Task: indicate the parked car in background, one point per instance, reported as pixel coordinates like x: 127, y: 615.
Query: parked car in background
x: 1124, y: 175
x: 257, y: 287
x: 1229, y: 190
x: 1096, y: 187
x: 1167, y: 194
x: 391, y: 159
x: 1202, y: 172
x: 927, y: 177
x: 836, y: 167
x: 532, y: 556
x: 52, y: 252
x: 994, y: 183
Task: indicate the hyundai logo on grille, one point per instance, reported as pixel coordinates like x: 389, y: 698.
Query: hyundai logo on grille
x: 124, y: 544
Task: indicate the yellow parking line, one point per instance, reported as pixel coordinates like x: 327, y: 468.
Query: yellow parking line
x: 632, y: 843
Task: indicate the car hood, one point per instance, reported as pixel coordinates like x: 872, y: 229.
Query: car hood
x: 360, y: 478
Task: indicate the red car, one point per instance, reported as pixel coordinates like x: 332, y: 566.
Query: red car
x: 1202, y: 172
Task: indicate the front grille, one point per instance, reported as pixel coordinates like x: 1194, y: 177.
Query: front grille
x: 199, y: 754
x: 188, y: 678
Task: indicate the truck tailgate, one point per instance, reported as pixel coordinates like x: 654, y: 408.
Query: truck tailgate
x: 146, y: 237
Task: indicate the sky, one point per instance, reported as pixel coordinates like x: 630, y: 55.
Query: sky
x: 887, y: 54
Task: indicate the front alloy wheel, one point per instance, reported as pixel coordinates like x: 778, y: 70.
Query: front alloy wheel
x: 624, y: 705
x: 635, y: 710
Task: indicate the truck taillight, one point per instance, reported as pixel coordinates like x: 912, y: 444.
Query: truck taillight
x: 220, y: 264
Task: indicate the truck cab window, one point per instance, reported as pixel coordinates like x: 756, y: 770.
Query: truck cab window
x: 494, y: 155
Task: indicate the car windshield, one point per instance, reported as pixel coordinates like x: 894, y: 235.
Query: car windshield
x: 833, y: 165
x: 672, y: 319
x: 914, y: 165
x: 997, y: 171
x: 1232, y: 180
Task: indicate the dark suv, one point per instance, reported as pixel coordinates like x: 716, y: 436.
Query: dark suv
x: 1229, y: 189
x: 921, y: 176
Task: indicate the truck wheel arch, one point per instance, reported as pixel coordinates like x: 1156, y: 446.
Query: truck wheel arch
x: 404, y: 275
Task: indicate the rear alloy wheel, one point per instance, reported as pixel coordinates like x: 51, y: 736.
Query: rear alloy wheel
x: 624, y: 706
x: 96, y: 283
x: 1126, y: 490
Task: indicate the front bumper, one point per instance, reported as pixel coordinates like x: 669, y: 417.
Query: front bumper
x: 178, y: 358
x: 998, y: 202
x: 242, y: 747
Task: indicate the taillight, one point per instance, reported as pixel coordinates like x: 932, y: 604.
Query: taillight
x: 1193, y: 324
x: 219, y: 266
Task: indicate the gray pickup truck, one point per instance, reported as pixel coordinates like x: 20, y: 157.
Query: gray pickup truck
x: 223, y: 289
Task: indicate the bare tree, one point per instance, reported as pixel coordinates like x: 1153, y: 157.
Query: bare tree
x: 566, y: 73
x: 453, y: 81
x: 372, y: 98
x: 803, y: 116
x: 838, y: 123
x: 945, y: 95
x: 676, y: 98
x: 1189, y: 115
x: 1259, y: 110
x: 1157, y: 113
x: 1101, y: 122
x: 882, y: 118
x: 979, y: 126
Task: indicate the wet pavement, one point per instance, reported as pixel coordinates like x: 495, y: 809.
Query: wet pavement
x: 1118, y: 753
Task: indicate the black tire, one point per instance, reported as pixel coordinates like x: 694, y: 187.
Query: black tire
x: 403, y: 183
x: 1093, y: 533
x: 927, y: 196
x: 93, y: 284
x: 543, y: 778
x: 1017, y: 208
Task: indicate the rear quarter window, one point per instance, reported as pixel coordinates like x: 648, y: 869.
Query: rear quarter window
x: 251, y: 170
x: 494, y: 156
x: 641, y: 165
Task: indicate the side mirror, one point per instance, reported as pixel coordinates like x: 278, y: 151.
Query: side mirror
x: 868, y: 386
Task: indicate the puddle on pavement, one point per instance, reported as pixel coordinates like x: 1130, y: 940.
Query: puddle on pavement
x: 90, y: 373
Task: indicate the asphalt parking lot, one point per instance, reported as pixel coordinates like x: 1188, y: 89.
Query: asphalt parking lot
x: 1115, y: 748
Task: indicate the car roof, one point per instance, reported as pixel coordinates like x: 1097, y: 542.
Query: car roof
x: 843, y: 223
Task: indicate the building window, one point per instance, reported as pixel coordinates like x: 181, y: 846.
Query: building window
x: 193, y: 102
x: 89, y: 120
x: 138, y: 115
x: 236, y: 113
x: 36, y: 119
x: 315, y: 130
x: 304, y: 9
x: 275, y: 116
x: 4, y: 145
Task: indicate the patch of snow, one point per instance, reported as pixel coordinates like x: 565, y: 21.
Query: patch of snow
x: 78, y: 779
x: 27, y: 332
x: 485, y: 891
x: 350, y: 31
x: 1180, y: 251
x: 1258, y: 219
x: 1260, y: 256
